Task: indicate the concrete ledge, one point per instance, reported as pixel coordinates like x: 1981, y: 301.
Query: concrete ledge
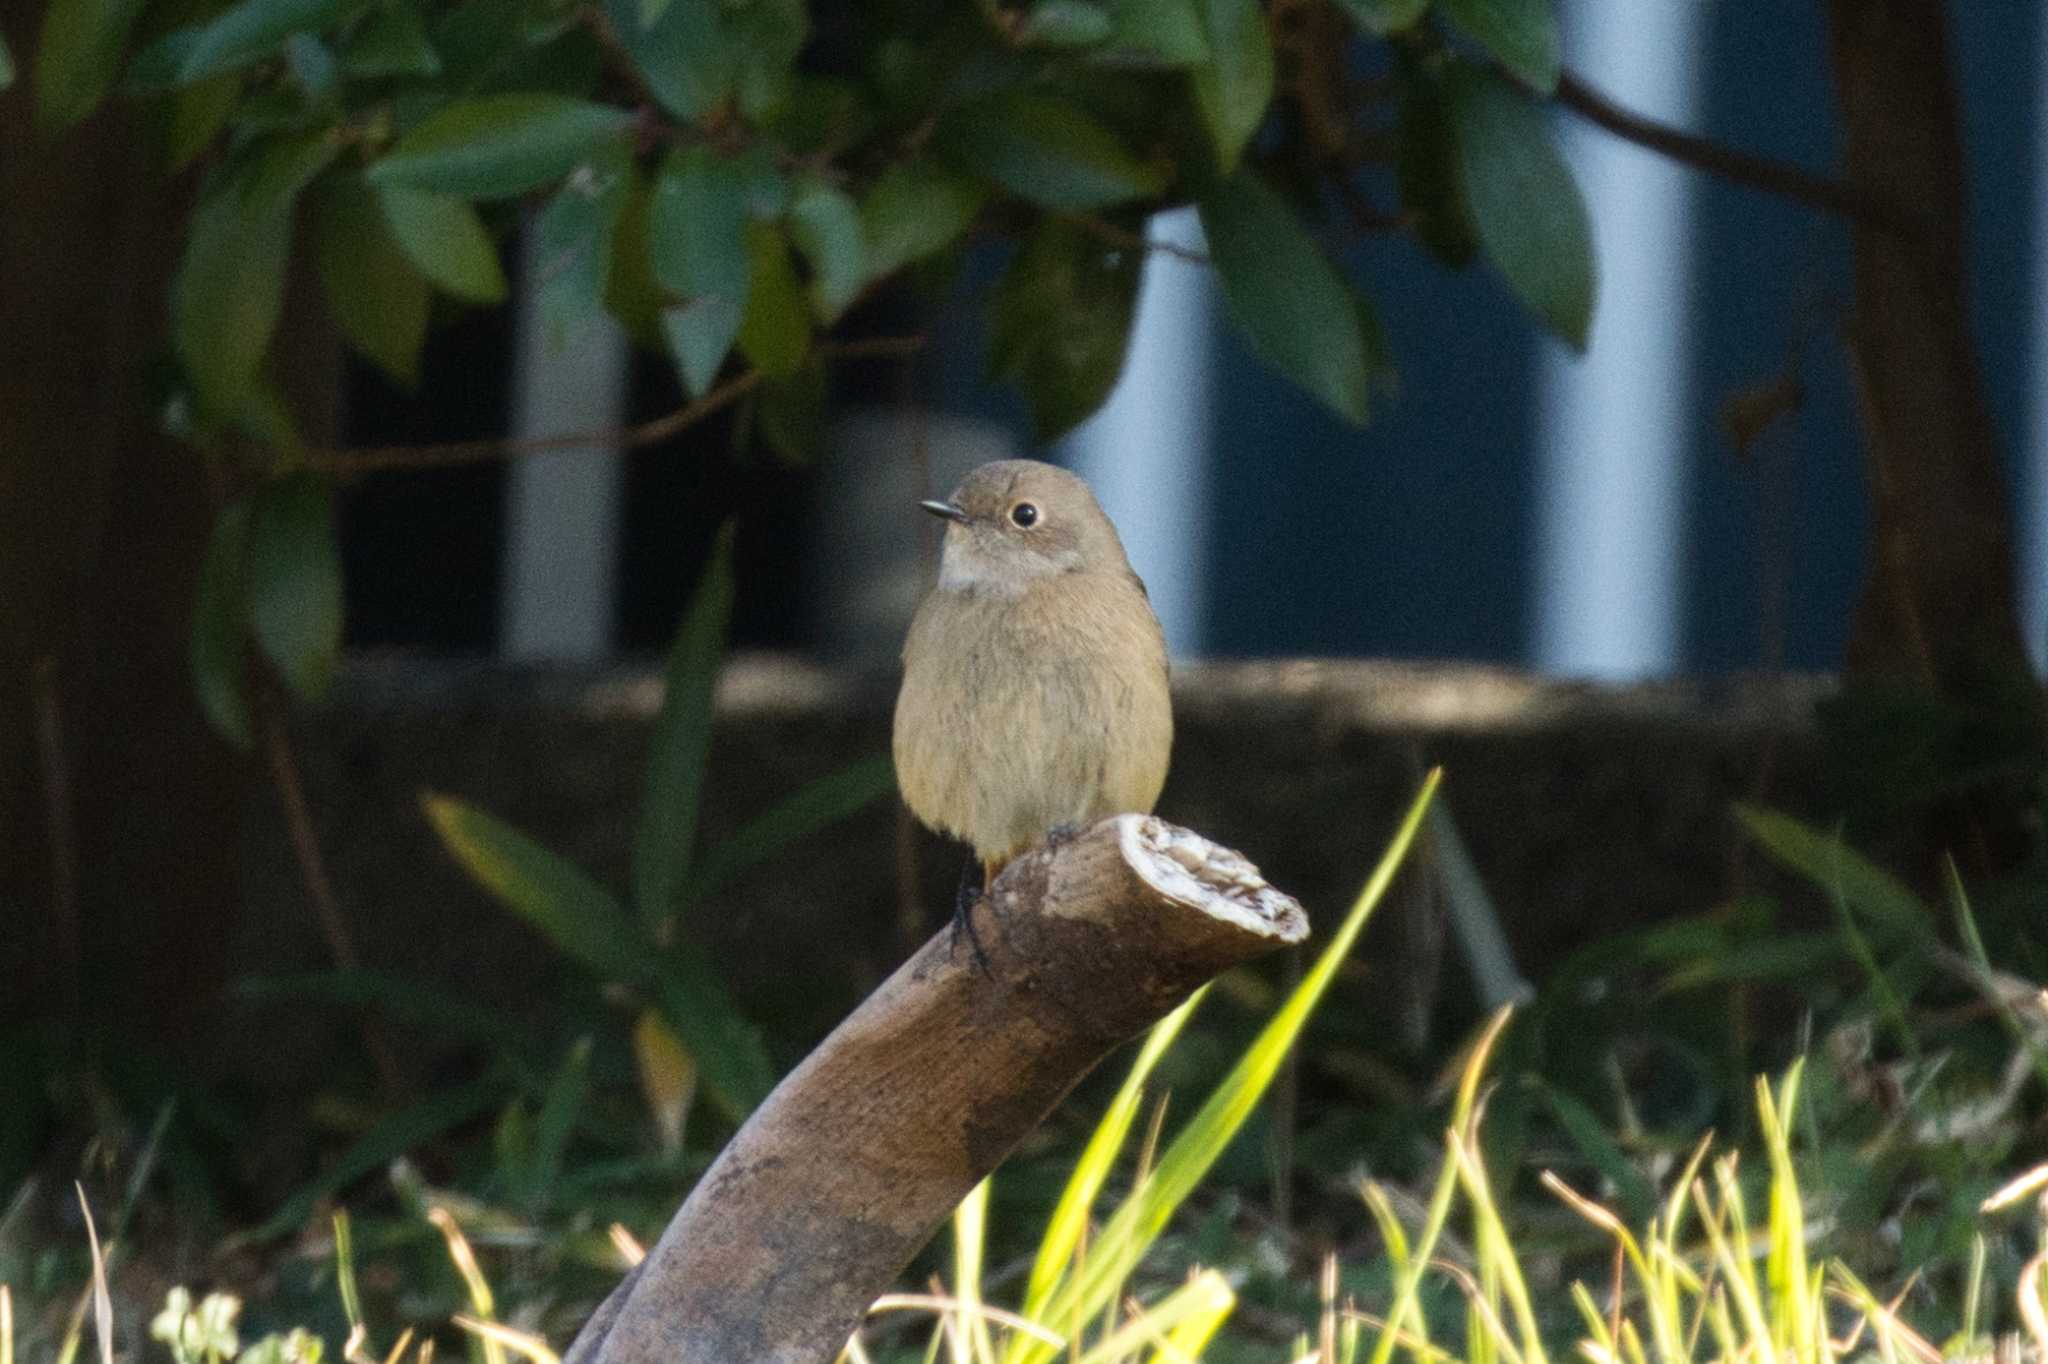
x: 1584, y: 808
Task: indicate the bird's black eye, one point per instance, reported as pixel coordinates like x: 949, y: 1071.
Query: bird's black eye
x: 1025, y: 515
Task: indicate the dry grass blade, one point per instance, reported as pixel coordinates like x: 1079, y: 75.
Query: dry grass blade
x: 628, y: 1245
x: 102, y: 1301
x: 944, y: 1305
x: 523, y: 1343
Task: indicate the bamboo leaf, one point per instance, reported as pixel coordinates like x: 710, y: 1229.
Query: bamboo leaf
x: 667, y: 836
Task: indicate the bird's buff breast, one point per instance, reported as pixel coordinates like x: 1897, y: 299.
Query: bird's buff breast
x: 1020, y: 713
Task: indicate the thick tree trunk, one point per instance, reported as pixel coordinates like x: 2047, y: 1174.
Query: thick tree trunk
x: 1937, y: 612
x: 119, y: 863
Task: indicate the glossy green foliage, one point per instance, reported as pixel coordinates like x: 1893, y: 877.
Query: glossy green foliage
x: 688, y: 168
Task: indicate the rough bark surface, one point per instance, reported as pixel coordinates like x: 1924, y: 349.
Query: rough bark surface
x: 851, y: 1164
x: 1937, y: 607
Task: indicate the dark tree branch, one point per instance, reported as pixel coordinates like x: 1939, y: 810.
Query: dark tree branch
x: 385, y: 458
x: 1856, y: 202
x: 857, y: 1157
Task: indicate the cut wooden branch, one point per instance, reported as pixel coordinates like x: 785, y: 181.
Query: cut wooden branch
x: 862, y: 1151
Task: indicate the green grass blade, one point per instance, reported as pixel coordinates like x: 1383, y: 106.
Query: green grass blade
x: 404, y: 998
x: 1176, y: 1326
x: 1137, y: 1223
x: 970, y: 1244
x: 345, y: 1271
x: 382, y: 1144
x: 1797, y: 1315
x: 667, y: 835
x: 558, y: 1113
x: 1406, y: 1306
x: 1070, y: 1216
x: 1982, y: 976
x: 1600, y: 1150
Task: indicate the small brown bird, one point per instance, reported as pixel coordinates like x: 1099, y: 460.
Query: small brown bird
x: 1034, y: 676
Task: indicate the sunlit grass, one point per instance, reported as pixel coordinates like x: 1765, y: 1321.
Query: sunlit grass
x: 1719, y: 1274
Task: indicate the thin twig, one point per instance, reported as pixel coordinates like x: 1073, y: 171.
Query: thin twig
x: 60, y: 815
x: 450, y: 454
x: 291, y: 794
x: 1738, y: 167
x: 1124, y: 239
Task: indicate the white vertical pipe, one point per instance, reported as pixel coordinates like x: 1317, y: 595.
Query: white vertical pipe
x: 1613, y: 436
x: 1147, y: 451
x: 557, y: 596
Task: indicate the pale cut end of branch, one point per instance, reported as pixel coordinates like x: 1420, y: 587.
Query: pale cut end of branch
x: 1190, y: 870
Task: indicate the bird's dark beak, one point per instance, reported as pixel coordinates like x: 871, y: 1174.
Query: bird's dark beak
x: 952, y: 511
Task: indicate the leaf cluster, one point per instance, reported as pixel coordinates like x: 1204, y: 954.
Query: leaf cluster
x: 727, y: 178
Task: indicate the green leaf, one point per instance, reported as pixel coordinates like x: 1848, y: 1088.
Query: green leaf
x: 197, y: 114
x: 699, y: 335
x: 548, y: 891
x: 1236, y: 84
x: 1171, y: 32
x: 237, y: 38
x: 6, y: 64
x: 573, y: 239
x: 1283, y: 293
x: 776, y: 332
x: 698, y: 242
x: 631, y: 292
x: 1427, y: 174
x: 399, y: 996
x: 282, y: 165
x: 582, y: 919
x: 667, y: 837
x: 1060, y: 321
x: 696, y: 55
x: 1065, y: 23
x: 1522, y: 34
x: 77, y: 55
x: 313, y: 67
x: 729, y: 1051
x: 499, y: 146
x: 295, y: 591
x: 445, y: 239
x: 791, y: 412
x: 218, y: 649
x: 1834, y: 867
x: 915, y: 209
x: 374, y: 295
x: 819, y: 805
x: 227, y: 295
x: 1047, y: 152
x: 1525, y: 205
x: 826, y: 224
x: 1382, y: 17
x: 390, y: 42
